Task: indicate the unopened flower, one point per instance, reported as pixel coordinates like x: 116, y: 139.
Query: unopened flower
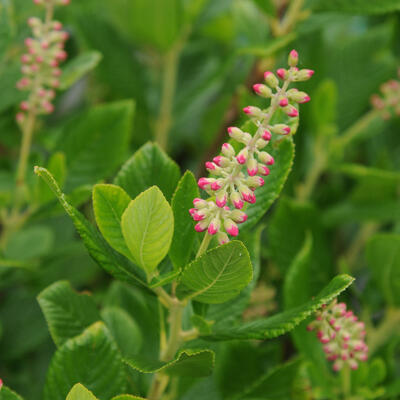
x: 44, y: 52
x: 236, y: 175
x: 341, y: 334
x: 388, y: 103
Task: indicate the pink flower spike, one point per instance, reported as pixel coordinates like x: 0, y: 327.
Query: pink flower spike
x: 283, y: 102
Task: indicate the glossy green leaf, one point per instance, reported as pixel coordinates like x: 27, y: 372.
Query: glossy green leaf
x: 383, y: 256
x: 79, y: 392
x: 101, y: 252
x: 283, y: 153
x: 148, y: 226
x: 8, y: 394
x: 79, y: 67
x: 218, y: 275
x: 184, y: 233
x: 149, y: 166
x: 194, y: 363
x: 67, y: 312
x: 124, y: 329
x: 359, y: 7
x: 91, y: 359
x: 279, y: 324
x: 95, y: 143
x: 109, y: 203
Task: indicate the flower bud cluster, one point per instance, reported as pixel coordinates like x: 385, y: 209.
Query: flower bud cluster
x: 235, y: 175
x: 341, y: 334
x: 40, y: 64
x: 389, y: 101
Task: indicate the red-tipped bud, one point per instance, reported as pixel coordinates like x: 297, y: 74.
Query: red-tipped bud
x: 253, y: 111
x: 262, y: 90
x: 266, y: 135
x: 231, y: 227
x: 252, y: 167
x: 281, y: 129
x: 221, y: 199
x: 291, y: 111
x: 214, y: 226
x: 216, y: 185
x: 282, y: 73
x: 303, y: 75
x: 242, y: 156
x: 271, y: 79
x: 204, y: 183
x: 222, y: 238
x: 263, y: 170
x: 24, y: 106
x: 236, y: 200
x: 210, y: 166
x: 227, y: 150
x: 238, y: 216
x: 201, y: 226
x: 266, y: 158
x: 283, y: 102
x: 293, y: 58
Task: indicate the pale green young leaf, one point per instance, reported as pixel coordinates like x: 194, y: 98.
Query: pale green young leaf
x: 218, y: 275
x: 190, y: 363
x: 79, y: 392
x: 109, y: 203
x: 383, y: 256
x: 67, y: 312
x: 113, y: 262
x: 91, y: 359
x: 184, y: 233
x: 279, y: 324
x: 8, y: 394
x: 149, y: 166
x: 96, y: 142
x: 79, y: 67
x: 124, y: 329
x: 127, y: 397
x: 148, y: 226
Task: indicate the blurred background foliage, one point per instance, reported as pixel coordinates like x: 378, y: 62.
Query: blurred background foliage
x: 179, y: 71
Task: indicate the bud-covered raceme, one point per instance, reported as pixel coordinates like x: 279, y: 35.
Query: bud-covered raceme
x: 40, y: 63
x: 388, y: 103
x: 236, y: 175
x: 341, y: 334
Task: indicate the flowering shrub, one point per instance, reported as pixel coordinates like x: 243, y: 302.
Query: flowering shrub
x: 235, y: 221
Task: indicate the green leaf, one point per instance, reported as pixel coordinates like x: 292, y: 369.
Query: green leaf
x: 109, y: 203
x: 359, y: 7
x: 281, y: 323
x: 79, y: 392
x: 283, y: 153
x: 148, y: 226
x: 184, y: 233
x: 266, y: 6
x: 149, y: 22
x: 95, y: 143
x: 8, y: 394
x: 91, y: 359
x: 149, y: 166
x: 193, y: 363
x: 101, y: 252
x: 218, y: 275
x: 57, y: 167
x: 124, y: 330
x: 278, y: 384
x: 79, y: 67
x: 67, y: 312
x: 383, y: 256
x: 29, y: 243
x: 298, y: 289
x: 127, y: 397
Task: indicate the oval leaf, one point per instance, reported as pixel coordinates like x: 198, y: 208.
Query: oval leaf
x: 92, y: 359
x: 184, y: 234
x: 109, y: 203
x: 148, y: 226
x: 218, y: 275
x: 79, y: 392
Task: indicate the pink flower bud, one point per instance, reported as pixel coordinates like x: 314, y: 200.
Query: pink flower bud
x: 247, y: 195
x: 220, y: 199
x: 231, y: 227
x: 293, y: 58
x: 227, y: 150
x: 210, y: 166
x: 20, y: 117
x: 291, y: 111
x: 262, y: 90
x: 253, y: 111
x: 235, y: 133
x: 203, y: 183
x: 25, y: 58
x: 266, y: 158
x: 263, y: 170
x: 237, y: 200
x: 281, y: 129
x: 29, y: 42
x: 283, y: 102
x: 242, y: 156
x: 271, y: 79
x: 282, y: 73
x: 238, y: 216
x: 303, y: 75
x: 199, y: 203
x: 266, y: 135
x: 24, y: 106
x: 39, y: 59
x: 201, y: 226
x: 57, y: 26
x: 214, y: 226
x: 216, y: 185
x: 252, y: 167
x: 222, y: 238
